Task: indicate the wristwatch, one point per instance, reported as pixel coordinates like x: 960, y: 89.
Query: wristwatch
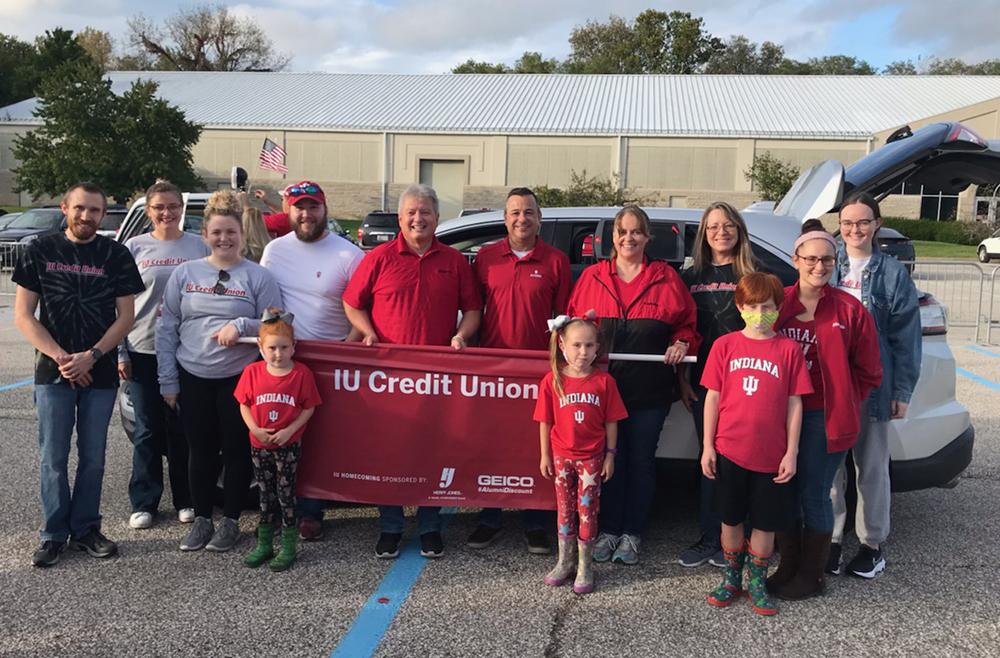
x: 96, y: 353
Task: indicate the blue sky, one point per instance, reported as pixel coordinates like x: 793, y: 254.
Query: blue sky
x: 431, y: 36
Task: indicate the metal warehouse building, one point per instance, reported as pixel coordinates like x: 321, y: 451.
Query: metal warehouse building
x: 685, y: 139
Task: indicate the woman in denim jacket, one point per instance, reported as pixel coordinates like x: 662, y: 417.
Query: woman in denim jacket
x: 885, y: 288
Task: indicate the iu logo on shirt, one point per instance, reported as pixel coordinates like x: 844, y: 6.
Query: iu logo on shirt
x: 272, y: 416
x: 447, y: 475
x: 578, y: 417
x: 750, y: 384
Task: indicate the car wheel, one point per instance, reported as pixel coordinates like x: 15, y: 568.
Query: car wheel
x: 984, y: 257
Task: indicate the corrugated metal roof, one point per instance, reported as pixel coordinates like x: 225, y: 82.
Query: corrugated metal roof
x: 637, y: 105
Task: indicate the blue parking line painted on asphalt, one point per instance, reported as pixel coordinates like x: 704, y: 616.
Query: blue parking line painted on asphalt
x: 982, y: 351
x: 979, y: 380
x: 371, y: 624
x: 17, y: 384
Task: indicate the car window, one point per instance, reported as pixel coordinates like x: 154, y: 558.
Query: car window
x: 471, y: 241
x: 664, y: 243
x: 39, y: 219
x: 996, y: 235
x: 112, y: 221
x: 381, y: 221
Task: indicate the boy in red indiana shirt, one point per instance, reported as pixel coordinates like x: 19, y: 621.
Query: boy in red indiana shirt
x: 277, y: 397
x: 753, y: 413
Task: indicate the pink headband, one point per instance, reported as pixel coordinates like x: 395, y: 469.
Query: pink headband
x: 814, y: 235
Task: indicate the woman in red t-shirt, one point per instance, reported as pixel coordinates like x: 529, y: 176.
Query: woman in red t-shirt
x: 277, y: 398
x: 579, y: 408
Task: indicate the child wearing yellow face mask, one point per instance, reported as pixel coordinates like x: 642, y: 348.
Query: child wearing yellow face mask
x: 753, y: 413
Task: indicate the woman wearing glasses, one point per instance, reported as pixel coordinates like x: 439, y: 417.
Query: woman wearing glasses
x: 885, y: 288
x: 157, y: 254
x: 838, y: 339
x: 207, y: 306
x: 722, y: 256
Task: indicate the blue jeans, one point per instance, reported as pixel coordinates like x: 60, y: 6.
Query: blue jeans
x: 709, y: 523
x: 534, y: 519
x: 60, y: 407
x: 392, y: 519
x: 627, y: 497
x: 158, y: 434
x: 309, y: 508
x: 815, y: 472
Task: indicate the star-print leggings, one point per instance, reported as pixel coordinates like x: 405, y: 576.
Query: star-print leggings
x: 275, y: 469
x: 578, y: 480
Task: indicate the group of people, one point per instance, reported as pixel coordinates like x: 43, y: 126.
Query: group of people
x: 169, y: 308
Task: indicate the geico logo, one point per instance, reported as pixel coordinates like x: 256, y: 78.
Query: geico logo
x: 506, y: 481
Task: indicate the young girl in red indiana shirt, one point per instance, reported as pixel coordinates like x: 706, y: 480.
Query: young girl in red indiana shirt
x: 277, y: 398
x: 578, y: 408
x: 753, y: 415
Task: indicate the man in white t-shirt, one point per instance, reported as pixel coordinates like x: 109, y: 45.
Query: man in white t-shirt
x: 312, y: 267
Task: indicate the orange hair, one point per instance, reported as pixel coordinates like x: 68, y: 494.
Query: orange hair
x: 276, y: 327
x: 758, y: 287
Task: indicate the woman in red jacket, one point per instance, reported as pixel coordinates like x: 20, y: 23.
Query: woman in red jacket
x: 642, y: 307
x: 840, y: 344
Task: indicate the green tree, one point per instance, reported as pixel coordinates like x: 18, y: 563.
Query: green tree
x: 740, y: 56
x: 771, y: 177
x: 57, y: 48
x: 828, y: 65
x: 603, y: 48
x: 123, y: 143
x: 204, y: 38
x: 17, y: 70
x: 901, y: 67
x: 584, y: 191
x: 533, y: 62
x: 472, y: 66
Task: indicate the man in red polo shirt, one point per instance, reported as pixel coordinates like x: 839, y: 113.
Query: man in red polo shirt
x: 524, y: 282
x: 410, y: 291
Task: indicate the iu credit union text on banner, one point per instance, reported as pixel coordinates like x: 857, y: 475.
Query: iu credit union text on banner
x: 410, y: 425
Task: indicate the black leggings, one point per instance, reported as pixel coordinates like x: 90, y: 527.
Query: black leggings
x: 213, y: 424
x: 275, y: 470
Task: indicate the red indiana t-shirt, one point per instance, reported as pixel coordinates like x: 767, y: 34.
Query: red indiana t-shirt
x: 754, y: 379
x: 578, y: 419
x: 276, y: 401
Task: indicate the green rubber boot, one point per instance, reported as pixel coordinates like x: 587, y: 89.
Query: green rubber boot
x: 265, y: 547
x: 286, y: 556
x: 732, y: 581
x: 761, y: 600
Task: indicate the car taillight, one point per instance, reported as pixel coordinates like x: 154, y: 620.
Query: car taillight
x: 933, y: 316
x: 965, y: 134
x: 359, y: 234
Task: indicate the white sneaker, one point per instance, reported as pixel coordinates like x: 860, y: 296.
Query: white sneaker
x: 186, y: 515
x: 140, y: 520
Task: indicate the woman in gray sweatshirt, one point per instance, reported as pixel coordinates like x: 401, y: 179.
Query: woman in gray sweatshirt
x: 157, y: 255
x: 208, y: 305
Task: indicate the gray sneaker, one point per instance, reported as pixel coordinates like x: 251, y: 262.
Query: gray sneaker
x: 700, y: 552
x: 201, y: 531
x: 604, y: 547
x: 225, y: 537
x: 718, y: 560
x: 628, y: 550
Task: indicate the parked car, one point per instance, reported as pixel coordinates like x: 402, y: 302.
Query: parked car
x: 893, y: 243
x: 113, y: 219
x: 932, y: 446
x: 378, y: 227
x: 30, y: 225
x: 7, y: 218
x: 989, y: 248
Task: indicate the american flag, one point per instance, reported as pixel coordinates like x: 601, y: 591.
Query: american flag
x: 272, y: 157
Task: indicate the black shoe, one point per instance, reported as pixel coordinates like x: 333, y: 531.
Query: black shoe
x: 833, y: 564
x: 94, y: 543
x: 48, y: 553
x: 538, y: 542
x: 431, y: 544
x: 388, y: 545
x: 867, y: 563
x: 482, y: 536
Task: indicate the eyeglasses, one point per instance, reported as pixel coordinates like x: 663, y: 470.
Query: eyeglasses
x: 812, y: 260
x: 309, y: 188
x: 220, y: 285
x: 170, y: 207
x: 861, y: 223
x: 725, y: 228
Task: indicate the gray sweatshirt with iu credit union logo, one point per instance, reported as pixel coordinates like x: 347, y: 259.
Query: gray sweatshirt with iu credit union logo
x: 192, y: 312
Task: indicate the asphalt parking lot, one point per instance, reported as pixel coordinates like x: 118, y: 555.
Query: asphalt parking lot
x: 938, y: 596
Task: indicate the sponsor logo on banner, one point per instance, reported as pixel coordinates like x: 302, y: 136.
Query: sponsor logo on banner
x: 510, y: 484
x: 447, y: 476
x: 444, y: 492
